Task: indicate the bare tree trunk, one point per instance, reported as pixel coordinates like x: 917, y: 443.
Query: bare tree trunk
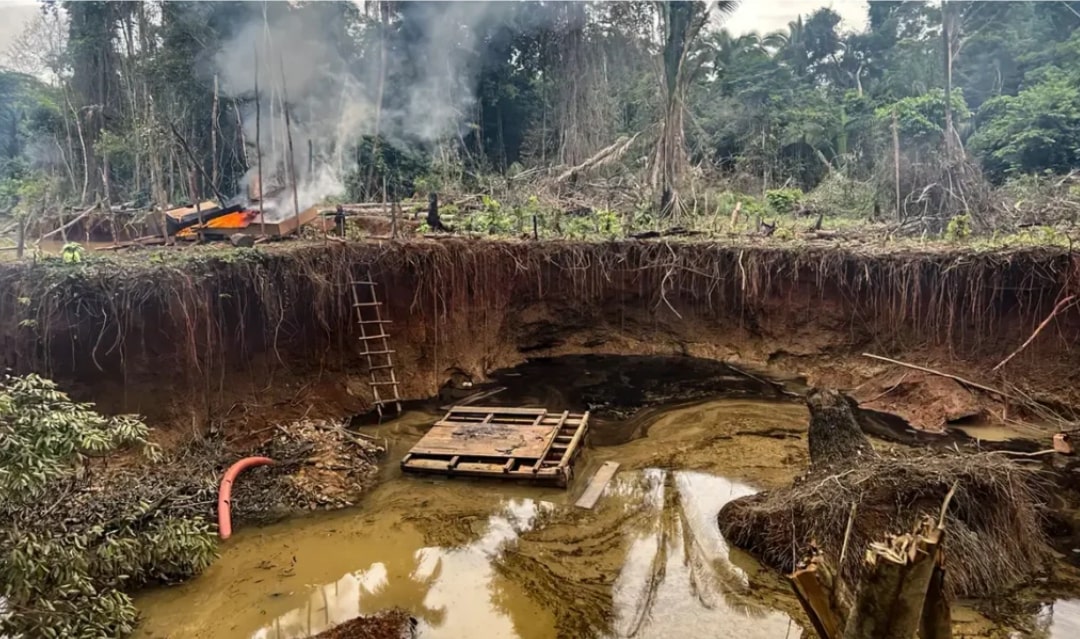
x: 948, y: 33
x: 240, y: 137
x: 288, y: 138
x: 85, y: 155
x: 214, y: 138
x: 108, y: 198
x: 896, y: 163
x: 258, y: 146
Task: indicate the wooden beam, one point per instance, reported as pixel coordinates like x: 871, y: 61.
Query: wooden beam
x: 597, y: 485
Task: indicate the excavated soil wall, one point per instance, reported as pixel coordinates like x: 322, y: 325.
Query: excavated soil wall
x: 231, y: 338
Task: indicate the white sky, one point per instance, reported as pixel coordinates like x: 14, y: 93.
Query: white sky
x: 752, y: 15
x: 764, y: 16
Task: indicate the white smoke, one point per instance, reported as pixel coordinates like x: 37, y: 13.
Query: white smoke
x: 332, y: 100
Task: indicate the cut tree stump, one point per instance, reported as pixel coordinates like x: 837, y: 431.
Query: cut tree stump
x: 901, y: 593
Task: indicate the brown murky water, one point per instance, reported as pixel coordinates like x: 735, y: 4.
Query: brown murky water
x: 483, y: 559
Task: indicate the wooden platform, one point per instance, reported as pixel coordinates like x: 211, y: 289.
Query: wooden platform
x: 507, y: 443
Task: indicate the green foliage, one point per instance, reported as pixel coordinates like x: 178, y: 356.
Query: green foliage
x: 60, y: 577
x: 44, y: 436
x: 1037, y: 130
x: 379, y: 162
x: 72, y: 253
x: 921, y: 118
x: 958, y: 229
x: 492, y: 218
x: 783, y: 201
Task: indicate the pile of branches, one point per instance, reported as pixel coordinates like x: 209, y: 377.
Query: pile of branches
x: 840, y: 507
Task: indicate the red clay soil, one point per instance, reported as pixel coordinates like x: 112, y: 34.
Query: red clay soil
x: 927, y: 402
x: 394, y: 624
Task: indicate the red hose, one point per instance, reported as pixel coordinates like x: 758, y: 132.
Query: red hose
x: 225, y: 492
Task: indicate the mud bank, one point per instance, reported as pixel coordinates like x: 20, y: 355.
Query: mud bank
x: 210, y: 339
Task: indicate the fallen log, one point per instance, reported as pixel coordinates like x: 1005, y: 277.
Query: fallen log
x: 77, y: 219
x: 965, y: 382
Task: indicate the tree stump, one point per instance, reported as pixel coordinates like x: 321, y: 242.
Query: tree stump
x: 835, y: 437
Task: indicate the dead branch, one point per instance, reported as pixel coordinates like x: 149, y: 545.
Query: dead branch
x: 72, y: 222
x: 198, y: 165
x: 965, y: 382
x: 605, y: 155
x: 1062, y: 305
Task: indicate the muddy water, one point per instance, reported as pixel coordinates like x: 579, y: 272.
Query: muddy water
x: 474, y: 559
x: 483, y: 559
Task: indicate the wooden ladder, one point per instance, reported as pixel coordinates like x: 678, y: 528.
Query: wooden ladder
x: 375, y: 338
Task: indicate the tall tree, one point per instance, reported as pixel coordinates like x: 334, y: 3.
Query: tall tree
x: 681, y: 22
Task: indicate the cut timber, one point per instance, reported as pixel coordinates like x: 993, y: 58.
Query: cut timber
x: 813, y: 594
x: 597, y: 485
x: 380, y: 363
x: 509, y: 443
x: 901, y: 575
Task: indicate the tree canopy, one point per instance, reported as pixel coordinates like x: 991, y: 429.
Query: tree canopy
x: 485, y: 88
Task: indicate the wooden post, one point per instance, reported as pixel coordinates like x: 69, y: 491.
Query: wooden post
x: 536, y: 229
x: 258, y: 146
x: 20, y: 230
x: 193, y: 186
x: 288, y: 140
x: 393, y: 220
x: 310, y: 158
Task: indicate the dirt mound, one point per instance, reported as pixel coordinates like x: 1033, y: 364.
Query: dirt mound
x: 994, y: 521
x: 928, y: 402
x: 395, y: 624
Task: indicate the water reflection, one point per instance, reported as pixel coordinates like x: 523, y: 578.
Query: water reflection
x: 1058, y: 620
x: 452, y: 592
x: 678, y: 579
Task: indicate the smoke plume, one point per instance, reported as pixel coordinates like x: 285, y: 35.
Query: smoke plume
x: 331, y: 79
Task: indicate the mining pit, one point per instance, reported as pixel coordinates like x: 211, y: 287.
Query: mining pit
x: 691, y: 358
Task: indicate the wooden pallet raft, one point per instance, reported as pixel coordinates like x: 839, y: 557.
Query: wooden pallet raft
x: 507, y: 443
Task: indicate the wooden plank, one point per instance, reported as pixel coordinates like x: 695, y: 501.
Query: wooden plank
x: 579, y: 434
x: 485, y: 440
x: 554, y: 432
x: 597, y: 485
x: 497, y: 410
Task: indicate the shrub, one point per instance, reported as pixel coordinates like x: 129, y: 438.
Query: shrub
x: 67, y: 552
x: 783, y: 201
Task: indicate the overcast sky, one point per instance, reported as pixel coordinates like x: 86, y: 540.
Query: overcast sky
x: 752, y: 15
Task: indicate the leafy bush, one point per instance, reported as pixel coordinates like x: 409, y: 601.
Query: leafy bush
x: 62, y: 574
x: 492, y: 218
x: 959, y: 228
x: 783, y: 201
